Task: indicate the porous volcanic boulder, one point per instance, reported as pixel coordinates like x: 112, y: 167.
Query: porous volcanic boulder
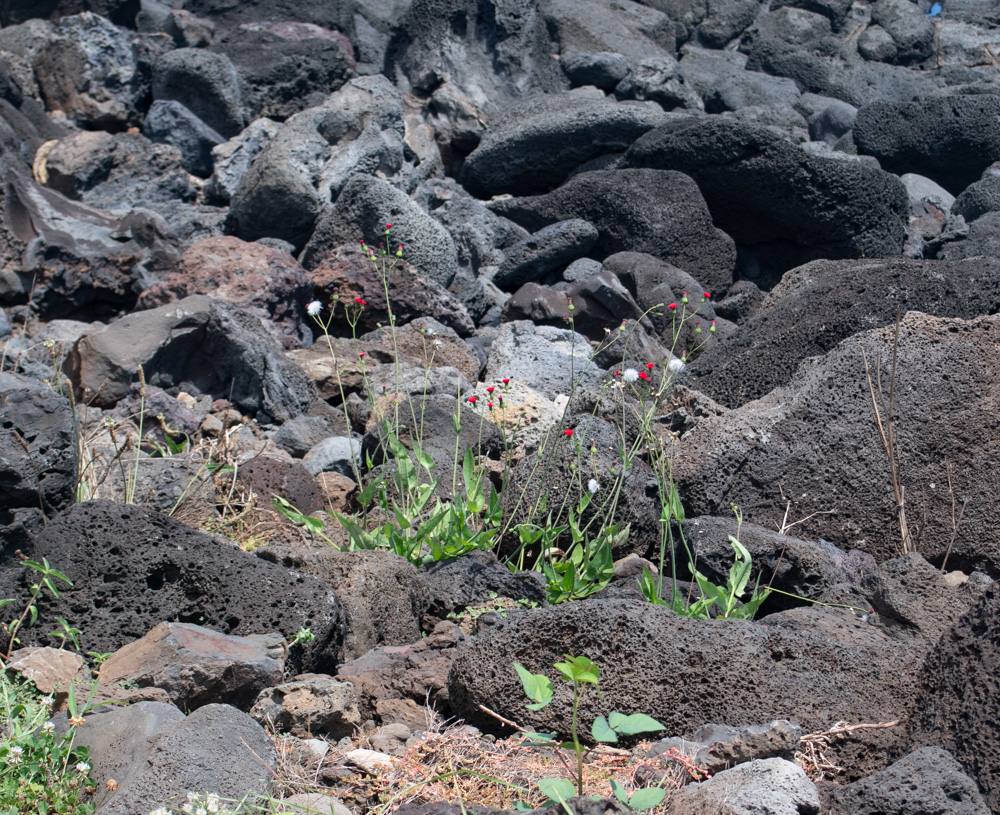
x: 818, y: 433
x: 846, y: 296
x: 949, y: 139
x: 958, y: 704
x: 659, y: 212
x: 929, y: 780
x: 203, y: 342
x: 363, y: 208
x: 978, y: 199
x: 764, y: 191
x: 982, y: 240
x: 265, y: 282
x: 206, y: 83
x: 685, y: 672
x: 133, y: 568
x: 534, y: 147
x: 382, y: 595
x: 89, y: 70
x: 37, y: 446
x: 286, y: 68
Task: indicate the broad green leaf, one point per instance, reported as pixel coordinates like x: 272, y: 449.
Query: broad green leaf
x: 520, y: 806
x: 537, y: 687
x: 619, y: 792
x: 558, y: 789
x: 647, y: 797
x: 424, y: 459
x: 602, y: 731
x: 579, y: 669
x: 368, y: 492
x: 468, y: 470
x: 634, y: 723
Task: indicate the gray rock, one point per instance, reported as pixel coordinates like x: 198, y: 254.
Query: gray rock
x: 5, y: 329
x: 215, y: 348
x: 197, y: 666
x: 538, y: 143
x: 911, y: 31
x: 718, y: 747
x: 658, y: 79
x: 310, y: 704
x: 632, y: 29
x: 481, y: 237
x: 748, y: 88
x: 88, y: 69
x: 949, y: 139
x: 581, y: 269
x: 545, y: 251
x: 133, y: 568
x: 156, y: 755
x: 659, y: 212
x: 232, y: 159
x: 724, y: 22
x: 924, y: 192
x: 38, y: 451
x: 540, y: 357
x: 337, y: 454
x: 603, y: 70
x: 832, y: 122
x: 876, y: 44
x: 364, y: 206
x: 979, y: 239
x: 382, y: 595
x: 204, y: 82
x: 300, y: 434
x: 172, y: 123
x: 771, y: 785
x: 977, y: 199
x: 927, y: 781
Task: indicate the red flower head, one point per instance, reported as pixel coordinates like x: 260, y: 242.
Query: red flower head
x: 568, y: 431
x: 388, y: 226
x: 506, y: 381
x: 490, y: 389
x: 707, y: 295
x: 360, y: 302
x: 489, y: 405
x: 650, y: 365
x: 618, y: 373
x: 672, y: 306
x: 643, y: 375
x: 472, y: 400
x: 362, y: 355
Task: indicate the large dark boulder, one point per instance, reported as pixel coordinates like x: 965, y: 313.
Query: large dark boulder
x: 132, y: 568
x: 819, y: 434
x: 206, y: 83
x: 37, y: 447
x: 844, y: 297
x: 538, y: 143
x: 958, y: 703
x: 119, y: 12
x: 949, y: 139
x: 204, y: 343
x: 284, y: 69
x: 656, y: 211
x: 826, y: 666
x: 769, y: 194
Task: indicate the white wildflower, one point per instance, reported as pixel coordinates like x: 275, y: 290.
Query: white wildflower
x: 630, y: 375
x: 187, y: 808
x: 83, y: 767
x: 593, y: 486
x: 16, y: 750
x: 212, y: 802
x: 48, y: 701
x: 676, y: 365
x: 160, y: 811
x: 48, y: 727
x: 201, y: 811
x: 314, y: 308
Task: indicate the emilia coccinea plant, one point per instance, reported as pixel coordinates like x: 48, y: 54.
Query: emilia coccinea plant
x: 406, y: 507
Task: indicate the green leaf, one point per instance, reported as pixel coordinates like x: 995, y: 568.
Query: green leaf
x: 633, y: 724
x: 558, y: 789
x: 520, y: 806
x: 579, y: 669
x: 602, y: 731
x: 368, y: 492
x: 619, y: 792
x: 424, y: 459
x: 647, y: 797
x: 537, y: 687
